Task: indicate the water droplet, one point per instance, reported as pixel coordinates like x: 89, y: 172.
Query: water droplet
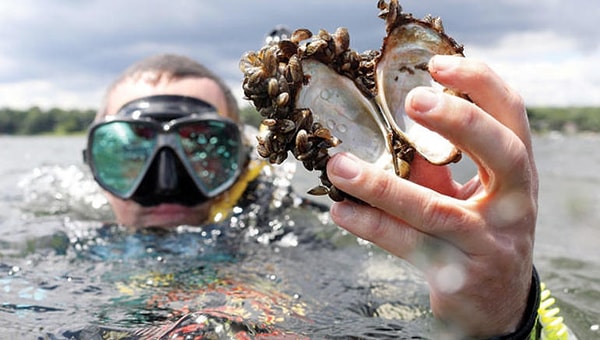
x: 594, y: 327
x: 331, y: 125
x: 201, y: 319
x: 325, y: 94
x: 342, y: 128
x: 450, y: 278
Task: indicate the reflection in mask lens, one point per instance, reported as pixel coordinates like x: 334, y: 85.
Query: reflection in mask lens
x: 120, y: 153
x: 211, y: 152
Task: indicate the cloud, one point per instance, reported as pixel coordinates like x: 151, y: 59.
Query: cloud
x: 75, y: 48
x: 47, y: 94
x: 546, y: 74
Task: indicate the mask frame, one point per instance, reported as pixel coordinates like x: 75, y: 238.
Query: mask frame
x: 165, y: 117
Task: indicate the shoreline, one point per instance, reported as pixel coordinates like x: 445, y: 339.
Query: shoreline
x: 59, y: 122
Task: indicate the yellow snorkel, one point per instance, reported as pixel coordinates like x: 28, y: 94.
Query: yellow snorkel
x: 553, y: 327
x: 224, y: 204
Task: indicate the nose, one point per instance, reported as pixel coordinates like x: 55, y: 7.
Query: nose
x: 167, y: 180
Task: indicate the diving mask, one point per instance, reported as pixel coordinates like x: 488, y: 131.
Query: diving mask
x: 166, y: 148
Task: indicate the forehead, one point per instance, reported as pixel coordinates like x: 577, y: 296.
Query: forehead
x: 201, y: 88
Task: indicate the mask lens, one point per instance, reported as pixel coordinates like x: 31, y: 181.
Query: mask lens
x: 120, y: 153
x: 212, y: 150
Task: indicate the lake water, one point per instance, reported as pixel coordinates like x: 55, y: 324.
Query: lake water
x: 58, y: 274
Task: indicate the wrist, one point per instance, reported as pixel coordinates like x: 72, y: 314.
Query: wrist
x: 527, y: 327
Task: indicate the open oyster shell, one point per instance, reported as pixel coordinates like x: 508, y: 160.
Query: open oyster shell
x: 318, y: 97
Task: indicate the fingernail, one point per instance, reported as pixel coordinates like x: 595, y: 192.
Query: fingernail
x: 442, y: 62
x: 342, y: 210
x: 423, y: 100
x: 344, y: 166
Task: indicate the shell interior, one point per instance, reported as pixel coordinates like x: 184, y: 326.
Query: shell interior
x: 401, y: 67
x: 338, y: 104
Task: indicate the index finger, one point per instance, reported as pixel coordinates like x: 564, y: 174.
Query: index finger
x: 422, y: 208
x: 485, y: 88
x: 502, y: 157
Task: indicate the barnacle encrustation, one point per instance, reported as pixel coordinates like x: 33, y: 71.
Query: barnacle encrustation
x: 317, y: 95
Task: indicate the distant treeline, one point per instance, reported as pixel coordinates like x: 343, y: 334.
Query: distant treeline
x: 35, y: 121
x: 58, y: 121
x: 573, y: 119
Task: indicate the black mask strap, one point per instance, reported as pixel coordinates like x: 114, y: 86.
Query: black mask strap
x: 164, y: 108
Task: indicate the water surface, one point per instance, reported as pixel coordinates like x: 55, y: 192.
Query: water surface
x: 65, y: 272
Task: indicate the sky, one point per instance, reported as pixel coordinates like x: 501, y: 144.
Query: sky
x: 65, y: 53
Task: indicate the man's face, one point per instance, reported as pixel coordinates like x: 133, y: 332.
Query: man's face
x: 131, y: 213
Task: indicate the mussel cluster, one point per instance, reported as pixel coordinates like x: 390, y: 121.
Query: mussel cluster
x: 314, y: 92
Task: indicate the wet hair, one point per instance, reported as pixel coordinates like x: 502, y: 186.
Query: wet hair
x: 174, y: 67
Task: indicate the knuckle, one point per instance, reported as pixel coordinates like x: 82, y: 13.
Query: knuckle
x: 382, y: 188
x: 475, y: 71
x: 375, y: 228
x: 374, y: 185
x: 479, y: 70
x: 513, y: 101
x: 467, y: 119
x: 520, y: 159
x: 432, y: 214
x: 517, y: 100
x: 438, y: 216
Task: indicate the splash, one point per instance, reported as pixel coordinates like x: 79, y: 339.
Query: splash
x: 59, y: 190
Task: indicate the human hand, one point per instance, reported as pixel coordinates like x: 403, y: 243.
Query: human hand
x: 474, y: 242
